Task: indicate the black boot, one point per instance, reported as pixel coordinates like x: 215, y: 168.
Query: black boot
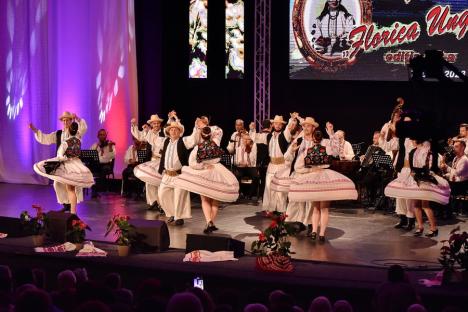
x: 403, y: 222
x: 410, y: 225
x: 66, y: 208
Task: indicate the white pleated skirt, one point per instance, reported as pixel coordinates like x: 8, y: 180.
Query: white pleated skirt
x: 321, y: 185
x: 406, y: 187
x: 148, y: 172
x: 217, y: 182
x: 70, y: 172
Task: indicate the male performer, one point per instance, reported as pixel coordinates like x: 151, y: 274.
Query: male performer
x: 236, y: 138
x: 175, y: 152
x: 154, y: 137
x: 278, y: 141
x: 57, y: 137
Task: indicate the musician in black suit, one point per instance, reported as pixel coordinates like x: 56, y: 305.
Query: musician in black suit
x: 369, y: 177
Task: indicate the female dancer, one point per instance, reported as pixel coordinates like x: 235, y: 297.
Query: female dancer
x: 319, y: 184
x: 67, y: 167
x: 422, y: 185
x: 206, y: 176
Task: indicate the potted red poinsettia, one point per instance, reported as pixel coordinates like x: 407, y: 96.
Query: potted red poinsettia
x: 124, y: 231
x: 77, y: 233
x: 273, y: 246
x: 34, y: 225
x: 454, y: 257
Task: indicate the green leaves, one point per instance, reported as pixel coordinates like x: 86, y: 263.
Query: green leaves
x: 274, y: 239
x: 124, y: 231
x: 455, y: 250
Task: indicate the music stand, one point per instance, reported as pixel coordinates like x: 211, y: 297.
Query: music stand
x: 89, y: 157
x: 357, y: 148
x: 142, y: 156
x: 226, y: 161
x: 382, y: 161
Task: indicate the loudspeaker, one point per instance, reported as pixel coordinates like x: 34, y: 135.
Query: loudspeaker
x: 152, y: 235
x: 58, y: 224
x: 12, y: 227
x: 214, y: 243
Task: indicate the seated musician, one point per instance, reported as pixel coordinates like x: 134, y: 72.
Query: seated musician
x: 129, y: 183
x: 106, y: 152
x: 366, y: 159
x: 369, y: 178
x: 245, y: 164
x: 340, y: 147
x: 457, y: 173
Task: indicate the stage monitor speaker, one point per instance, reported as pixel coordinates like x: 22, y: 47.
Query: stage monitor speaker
x: 214, y: 243
x: 153, y: 235
x: 12, y: 227
x: 58, y: 224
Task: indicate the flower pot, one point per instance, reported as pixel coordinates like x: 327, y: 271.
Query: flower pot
x: 38, y: 240
x: 274, y: 263
x: 78, y: 246
x: 123, y: 250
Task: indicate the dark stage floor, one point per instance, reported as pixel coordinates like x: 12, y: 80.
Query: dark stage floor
x: 355, y: 236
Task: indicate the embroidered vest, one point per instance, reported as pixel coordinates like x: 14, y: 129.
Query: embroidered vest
x: 316, y: 155
x: 74, y: 148
x: 208, y: 150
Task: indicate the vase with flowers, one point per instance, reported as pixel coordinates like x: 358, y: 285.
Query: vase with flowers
x: 123, y: 230
x: 454, y: 257
x: 273, y: 247
x: 34, y: 225
x: 77, y: 233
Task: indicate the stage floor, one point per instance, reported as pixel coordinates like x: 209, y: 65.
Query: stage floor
x: 355, y: 236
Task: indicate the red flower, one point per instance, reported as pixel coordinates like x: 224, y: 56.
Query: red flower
x: 273, y: 224
x: 261, y: 237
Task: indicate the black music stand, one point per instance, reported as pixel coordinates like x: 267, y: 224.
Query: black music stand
x: 142, y: 156
x: 384, y: 164
x: 226, y: 161
x: 382, y: 161
x: 89, y: 157
x: 357, y: 148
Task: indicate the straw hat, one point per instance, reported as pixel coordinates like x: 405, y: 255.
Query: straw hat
x: 154, y: 118
x: 278, y: 118
x: 310, y: 121
x: 66, y: 115
x: 174, y: 124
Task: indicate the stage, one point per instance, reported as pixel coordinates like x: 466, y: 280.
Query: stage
x: 352, y: 263
x: 355, y: 236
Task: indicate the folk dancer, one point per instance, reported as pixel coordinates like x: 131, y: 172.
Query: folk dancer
x: 57, y: 137
x: 175, y: 153
x: 206, y: 176
x: 278, y: 142
x: 69, y: 169
x: 148, y: 171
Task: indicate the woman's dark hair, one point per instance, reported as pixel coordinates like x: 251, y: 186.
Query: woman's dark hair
x: 73, y: 128
x: 297, y: 128
x: 326, y: 9
x: 317, y: 135
x: 206, y: 133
